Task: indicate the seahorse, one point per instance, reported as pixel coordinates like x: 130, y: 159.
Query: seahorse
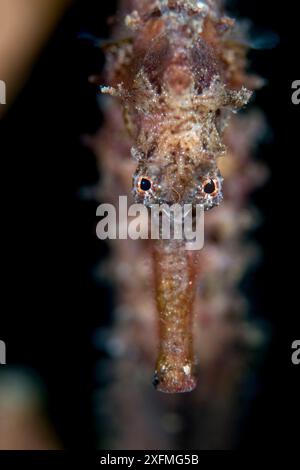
x: 179, y: 72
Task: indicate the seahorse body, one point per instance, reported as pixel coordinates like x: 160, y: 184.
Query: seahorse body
x: 178, y: 72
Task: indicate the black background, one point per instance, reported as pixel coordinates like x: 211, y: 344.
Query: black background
x: 51, y: 301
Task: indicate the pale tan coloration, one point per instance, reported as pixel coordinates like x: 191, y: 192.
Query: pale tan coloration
x: 25, y: 26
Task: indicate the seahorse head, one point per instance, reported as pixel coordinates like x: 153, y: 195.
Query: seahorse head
x: 178, y: 181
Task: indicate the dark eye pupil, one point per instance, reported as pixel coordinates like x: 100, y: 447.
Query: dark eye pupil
x: 210, y: 187
x: 145, y: 184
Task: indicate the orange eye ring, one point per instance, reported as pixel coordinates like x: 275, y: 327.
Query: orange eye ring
x: 211, y: 187
x: 144, y: 184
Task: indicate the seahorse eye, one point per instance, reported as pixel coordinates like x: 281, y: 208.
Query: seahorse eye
x: 210, y: 187
x: 145, y: 184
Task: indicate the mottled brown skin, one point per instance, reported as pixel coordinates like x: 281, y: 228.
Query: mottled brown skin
x: 178, y: 74
x: 177, y: 82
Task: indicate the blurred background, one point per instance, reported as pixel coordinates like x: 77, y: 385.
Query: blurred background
x: 53, y: 304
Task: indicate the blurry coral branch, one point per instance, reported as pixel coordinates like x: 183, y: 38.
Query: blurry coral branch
x: 25, y: 25
x: 24, y: 424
